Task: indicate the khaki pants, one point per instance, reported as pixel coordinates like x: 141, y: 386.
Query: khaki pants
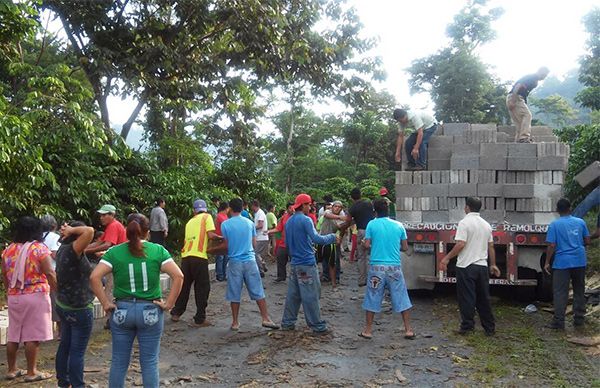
x: 520, y: 115
x: 362, y: 257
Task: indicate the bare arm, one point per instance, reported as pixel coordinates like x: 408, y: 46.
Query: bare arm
x: 549, y: 253
x: 99, y: 246
x: 494, y: 270
x: 458, y: 247
x: 399, y: 144
x: 99, y: 272
x: 367, y: 244
x: 85, y: 237
x: 404, y: 246
x: 46, y: 267
x: 213, y: 236
x: 587, y: 240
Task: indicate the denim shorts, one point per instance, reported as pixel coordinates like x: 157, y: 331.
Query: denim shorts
x: 240, y: 272
x: 381, y: 277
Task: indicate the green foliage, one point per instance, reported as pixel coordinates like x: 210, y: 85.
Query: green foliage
x: 589, y: 72
x: 584, y: 142
x: 556, y: 108
x: 459, y: 84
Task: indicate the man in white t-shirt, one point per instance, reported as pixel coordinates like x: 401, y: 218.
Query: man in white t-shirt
x: 262, y: 238
x: 474, y: 244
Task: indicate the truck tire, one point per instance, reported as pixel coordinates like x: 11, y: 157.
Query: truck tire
x: 544, y: 287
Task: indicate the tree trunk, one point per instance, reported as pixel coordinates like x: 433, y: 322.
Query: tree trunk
x: 290, y: 153
x: 127, y: 126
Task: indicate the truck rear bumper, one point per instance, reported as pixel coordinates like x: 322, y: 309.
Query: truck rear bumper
x: 504, y: 282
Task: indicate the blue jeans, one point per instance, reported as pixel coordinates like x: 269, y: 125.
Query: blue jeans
x: 141, y: 319
x: 75, y: 330
x: 591, y: 200
x: 221, y: 267
x: 409, y: 144
x: 304, y: 288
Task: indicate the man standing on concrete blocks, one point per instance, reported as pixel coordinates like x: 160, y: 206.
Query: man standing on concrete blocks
x: 567, y: 238
x: 516, y: 102
x: 304, y: 287
x: 474, y: 244
x: 418, y: 126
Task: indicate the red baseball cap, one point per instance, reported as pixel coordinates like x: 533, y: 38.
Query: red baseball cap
x: 301, y: 199
x: 383, y: 191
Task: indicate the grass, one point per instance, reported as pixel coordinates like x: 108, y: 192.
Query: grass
x: 523, y: 353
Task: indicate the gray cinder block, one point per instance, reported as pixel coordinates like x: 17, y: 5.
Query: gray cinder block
x: 455, y: 215
x: 462, y: 190
x: 436, y: 216
x: 489, y: 190
x: 552, y: 149
x: 464, y: 163
x: 493, y: 162
x: 588, y: 175
x: 486, y: 176
x: 517, y: 191
x: 484, y: 127
x: 436, y: 190
x: 502, y: 137
x: 493, y: 216
x: 547, y: 191
x: 541, y: 130
x: 521, y: 164
x: 404, y: 177
x: 463, y: 150
x: 438, y: 164
x: 510, y: 130
x: 494, y: 149
x: 546, y: 139
x: 406, y: 190
x: 519, y: 218
x: 558, y: 177
x: 525, y: 204
x: 479, y: 136
x: 552, y: 163
x: 441, y: 142
x: 544, y: 218
x: 412, y: 216
x: 455, y: 129
x: 510, y: 204
x: 439, y: 152
x: 443, y: 203
x: 522, y: 150
x: 404, y: 203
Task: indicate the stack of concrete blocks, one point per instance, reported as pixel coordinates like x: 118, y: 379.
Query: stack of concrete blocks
x: 519, y: 183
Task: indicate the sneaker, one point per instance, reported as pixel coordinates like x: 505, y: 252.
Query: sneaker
x: 462, y: 331
x: 322, y: 332
x: 527, y: 140
x: 490, y: 333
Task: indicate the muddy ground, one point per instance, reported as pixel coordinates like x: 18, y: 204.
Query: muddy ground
x: 523, y: 353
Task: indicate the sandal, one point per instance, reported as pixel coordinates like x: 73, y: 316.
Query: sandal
x: 410, y: 336
x: 38, y: 377
x: 14, y: 375
x: 235, y: 328
x: 365, y: 336
x: 270, y: 325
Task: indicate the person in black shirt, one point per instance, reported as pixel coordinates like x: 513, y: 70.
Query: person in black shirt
x: 360, y: 213
x: 516, y: 102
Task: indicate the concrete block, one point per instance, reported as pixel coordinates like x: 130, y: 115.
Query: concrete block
x: 588, y: 175
x: 546, y: 139
x: 502, y: 137
x: 543, y: 204
x: 490, y: 190
x: 464, y: 163
x: 519, y: 218
x: 501, y: 177
x: 511, y: 177
x: 439, y: 130
x: 552, y: 149
x: 409, y: 216
x: 443, y: 203
x: 479, y: 136
x: 493, y: 162
x: 543, y: 178
x: 435, y: 177
x: 427, y: 203
x: 436, y: 190
x: 459, y: 139
x: 417, y: 204
x: 489, y: 203
x: 522, y: 150
x: 438, y: 164
x: 98, y: 310
x: 444, y: 176
x: 544, y: 218
x: 425, y: 177
x: 455, y: 215
x: 524, y: 204
x: 404, y: 177
x: 526, y: 177
x: 486, y: 176
x: 510, y: 204
x: 484, y: 127
x: 462, y: 190
x: 404, y: 203
x: 521, y: 164
x: 494, y: 149
x: 463, y: 150
x: 541, y: 130
x: 558, y: 177
x: 547, y: 191
x: 510, y: 131
x: 438, y: 152
x: 516, y: 191
x: 441, y: 142
x: 552, y: 163
x: 414, y: 190
x: 493, y: 216
x: 436, y: 216
x: 417, y: 177
x: 454, y: 129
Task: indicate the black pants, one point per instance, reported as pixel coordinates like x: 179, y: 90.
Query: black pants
x: 473, y: 292
x: 282, y: 260
x: 157, y: 237
x: 560, y: 288
x: 195, y: 270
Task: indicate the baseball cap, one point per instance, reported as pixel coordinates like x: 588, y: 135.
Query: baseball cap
x: 301, y: 199
x: 383, y: 191
x: 107, y: 209
x: 200, y: 205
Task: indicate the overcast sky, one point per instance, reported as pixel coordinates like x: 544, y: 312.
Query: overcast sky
x: 530, y: 34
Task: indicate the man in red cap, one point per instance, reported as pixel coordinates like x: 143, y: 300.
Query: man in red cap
x: 383, y: 192
x: 304, y: 286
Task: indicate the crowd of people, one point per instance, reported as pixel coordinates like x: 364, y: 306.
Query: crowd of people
x: 47, y: 269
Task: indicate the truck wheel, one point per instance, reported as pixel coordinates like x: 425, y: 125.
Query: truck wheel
x: 543, y: 290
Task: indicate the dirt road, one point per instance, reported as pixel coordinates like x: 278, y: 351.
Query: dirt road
x: 522, y: 352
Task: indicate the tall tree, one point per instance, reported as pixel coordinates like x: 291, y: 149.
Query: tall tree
x: 589, y: 72
x: 556, y: 108
x: 458, y: 82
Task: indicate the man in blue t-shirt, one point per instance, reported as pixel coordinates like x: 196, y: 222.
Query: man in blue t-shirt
x: 304, y: 286
x: 566, y: 238
x: 386, y: 238
x: 240, y: 234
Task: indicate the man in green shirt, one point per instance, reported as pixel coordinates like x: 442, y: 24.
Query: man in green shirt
x: 271, y: 223
x: 418, y: 126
